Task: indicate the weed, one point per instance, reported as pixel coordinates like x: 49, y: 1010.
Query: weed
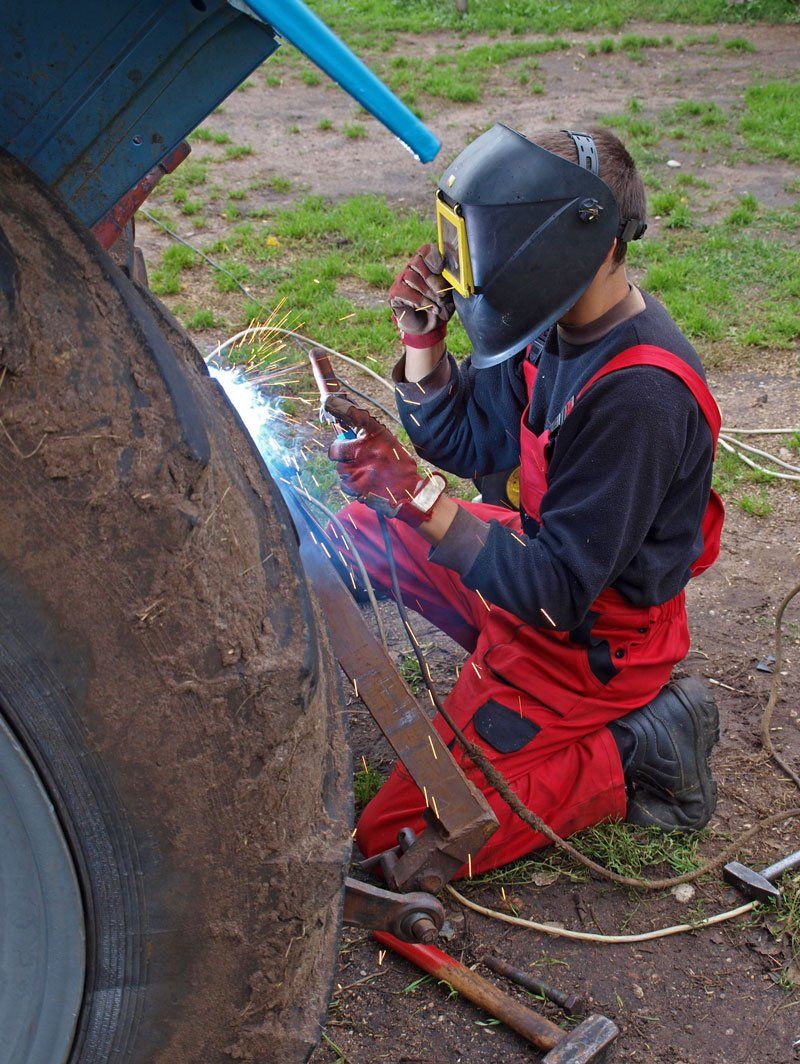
x: 237, y: 194
x: 165, y: 279
x: 756, y: 505
x: 628, y: 850
x: 293, y: 129
x: 410, y: 670
x: 191, y: 207
x: 245, y: 86
x: 202, y: 319
x: 744, y: 212
x: 730, y: 473
x: 231, y: 212
x: 310, y: 77
x: 279, y: 184
x: 367, y: 782
x: 238, y: 151
x: 273, y: 81
x: 324, y: 123
x: 213, y: 136
x: 739, y: 44
x: 771, y: 122
x: 371, y: 18
x: 354, y: 130
x: 692, y: 181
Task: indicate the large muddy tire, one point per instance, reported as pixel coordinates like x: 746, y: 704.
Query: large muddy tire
x: 165, y: 683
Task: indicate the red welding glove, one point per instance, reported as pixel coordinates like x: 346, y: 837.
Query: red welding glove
x: 421, y: 299
x: 377, y: 469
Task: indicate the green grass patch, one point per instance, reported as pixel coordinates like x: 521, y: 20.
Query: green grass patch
x: 745, y: 211
x: 460, y: 76
x: 310, y: 77
x: 726, y: 284
x: 238, y: 151
x: 372, y: 18
x: 354, y: 131
x: 620, y: 846
x: 209, y: 136
x: 731, y: 474
x: 202, y: 319
x: 324, y: 124
x: 756, y: 505
x: 367, y: 781
x: 771, y: 122
x: 165, y: 279
x: 739, y: 44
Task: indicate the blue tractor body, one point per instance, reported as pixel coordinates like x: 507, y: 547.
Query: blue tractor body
x: 95, y: 93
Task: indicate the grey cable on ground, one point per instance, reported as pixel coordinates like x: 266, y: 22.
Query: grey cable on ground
x: 590, y: 936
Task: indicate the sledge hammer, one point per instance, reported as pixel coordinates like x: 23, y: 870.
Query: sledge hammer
x: 586, y: 1043
x: 759, y: 885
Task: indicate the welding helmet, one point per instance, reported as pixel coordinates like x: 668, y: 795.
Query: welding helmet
x: 522, y: 232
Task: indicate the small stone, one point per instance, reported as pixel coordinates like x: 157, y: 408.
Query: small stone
x: 729, y: 1031
x: 673, y: 163
x: 683, y: 892
x: 637, y: 990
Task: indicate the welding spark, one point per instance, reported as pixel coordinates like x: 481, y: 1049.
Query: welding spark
x: 435, y: 810
x: 477, y: 670
x: 414, y: 420
x: 469, y: 864
x: 547, y: 616
x: 518, y: 538
x: 483, y: 600
x: 433, y: 748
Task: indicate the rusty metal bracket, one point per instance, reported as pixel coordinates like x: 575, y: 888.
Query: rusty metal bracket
x: 413, y: 917
x: 459, y: 819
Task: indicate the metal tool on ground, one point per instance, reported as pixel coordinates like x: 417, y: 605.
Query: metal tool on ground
x: 570, y: 1003
x: 586, y: 1042
x: 759, y: 885
x: 412, y: 917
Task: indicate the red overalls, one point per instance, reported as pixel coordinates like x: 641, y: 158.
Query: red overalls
x: 535, y: 699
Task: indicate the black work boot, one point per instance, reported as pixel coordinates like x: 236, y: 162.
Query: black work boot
x: 665, y: 747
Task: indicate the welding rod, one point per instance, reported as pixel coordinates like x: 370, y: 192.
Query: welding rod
x: 570, y: 1003
x: 326, y: 380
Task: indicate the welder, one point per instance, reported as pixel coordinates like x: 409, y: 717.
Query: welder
x: 571, y: 607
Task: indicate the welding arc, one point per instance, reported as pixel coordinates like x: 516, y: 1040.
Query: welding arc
x: 496, y: 779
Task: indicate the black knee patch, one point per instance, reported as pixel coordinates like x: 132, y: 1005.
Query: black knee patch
x: 502, y: 728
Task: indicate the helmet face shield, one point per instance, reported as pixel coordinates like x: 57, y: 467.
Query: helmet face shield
x: 523, y: 232
x: 454, y: 247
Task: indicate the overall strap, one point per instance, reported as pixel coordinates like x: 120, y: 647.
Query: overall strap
x: 658, y: 357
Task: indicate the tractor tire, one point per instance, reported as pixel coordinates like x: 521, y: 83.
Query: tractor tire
x: 172, y: 735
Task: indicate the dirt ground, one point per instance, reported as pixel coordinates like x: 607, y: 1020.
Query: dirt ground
x: 720, y: 995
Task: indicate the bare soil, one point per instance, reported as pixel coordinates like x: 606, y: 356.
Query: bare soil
x: 708, y: 996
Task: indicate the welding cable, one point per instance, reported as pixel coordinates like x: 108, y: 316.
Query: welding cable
x: 726, y: 446
x: 354, y: 551
x: 496, y: 779
x: 590, y: 936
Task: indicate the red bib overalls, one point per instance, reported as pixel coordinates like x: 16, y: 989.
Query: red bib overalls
x: 535, y: 699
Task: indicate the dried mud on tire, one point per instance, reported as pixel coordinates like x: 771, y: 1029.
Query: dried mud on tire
x: 160, y: 579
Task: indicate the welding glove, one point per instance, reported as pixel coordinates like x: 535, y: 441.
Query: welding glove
x: 421, y: 299
x: 376, y: 468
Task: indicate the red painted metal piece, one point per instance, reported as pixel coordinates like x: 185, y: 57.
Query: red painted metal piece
x: 111, y: 226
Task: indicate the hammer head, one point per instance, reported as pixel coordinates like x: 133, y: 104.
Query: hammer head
x: 588, y: 1041
x: 749, y: 882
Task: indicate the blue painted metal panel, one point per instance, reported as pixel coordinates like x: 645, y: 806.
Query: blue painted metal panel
x: 95, y: 92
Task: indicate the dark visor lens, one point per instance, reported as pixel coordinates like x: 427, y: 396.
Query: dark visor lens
x: 452, y: 251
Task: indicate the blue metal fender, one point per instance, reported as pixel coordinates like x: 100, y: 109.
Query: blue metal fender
x: 94, y: 93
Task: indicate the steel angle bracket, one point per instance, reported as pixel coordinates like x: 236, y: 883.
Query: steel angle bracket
x: 460, y: 819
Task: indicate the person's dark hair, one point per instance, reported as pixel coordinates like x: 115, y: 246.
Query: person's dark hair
x: 617, y: 169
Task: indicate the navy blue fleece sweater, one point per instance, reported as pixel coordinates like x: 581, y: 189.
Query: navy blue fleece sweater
x: 629, y: 476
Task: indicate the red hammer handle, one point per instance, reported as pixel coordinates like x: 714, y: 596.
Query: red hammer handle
x: 533, y: 1027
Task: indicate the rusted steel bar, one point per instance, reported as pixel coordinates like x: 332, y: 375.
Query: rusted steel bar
x: 570, y: 1003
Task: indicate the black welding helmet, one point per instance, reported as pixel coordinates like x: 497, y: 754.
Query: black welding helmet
x: 523, y: 232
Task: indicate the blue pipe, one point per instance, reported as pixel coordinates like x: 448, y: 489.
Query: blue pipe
x: 293, y: 20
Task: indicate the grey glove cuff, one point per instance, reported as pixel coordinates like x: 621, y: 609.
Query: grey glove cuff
x: 461, y: 544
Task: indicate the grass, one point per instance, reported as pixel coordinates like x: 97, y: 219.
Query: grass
x: 460, y: 76
x: 730, y: 474
x: 374, y: 17
x: 771, y: 122
x: 409, y: 669
x: 620, y: 846
x: 756, y: 505
x: 238, y: 151
x: 354, y: 131
x: 782, y: 917
x: 210, y: 136
x: 367, y: 781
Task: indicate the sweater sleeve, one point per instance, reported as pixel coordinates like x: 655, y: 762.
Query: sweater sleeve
x: 614, y: 462
x: 464, y: 420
